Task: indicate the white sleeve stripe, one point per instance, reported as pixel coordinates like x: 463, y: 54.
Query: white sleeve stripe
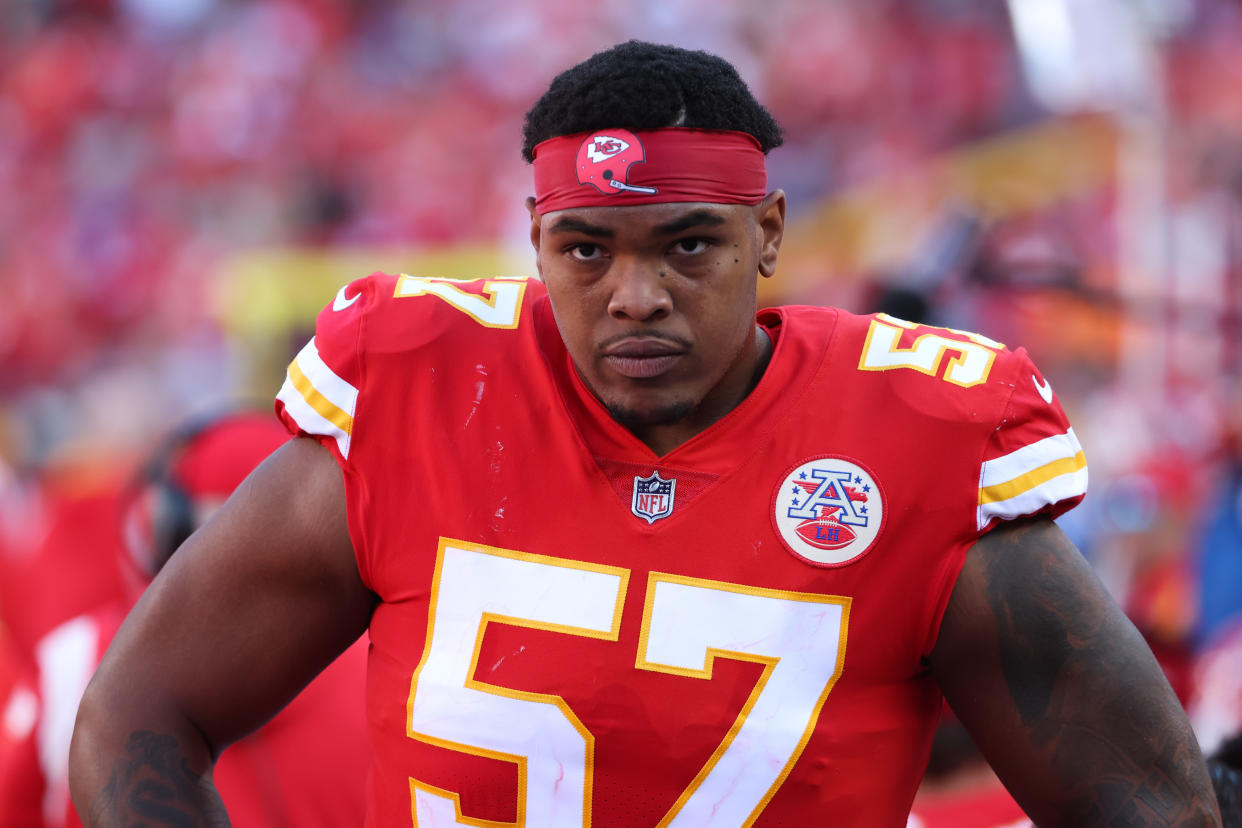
x: 1030, y: 501
x: 330, y: 412
x: 310, y: 420
x: 1032, y: 479
x: 335, y: 390
x: 319, y: 401
x: 1029, y: 458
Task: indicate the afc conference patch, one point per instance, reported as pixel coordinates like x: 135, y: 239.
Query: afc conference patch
x: 653, y: 497
x: 828, y: 511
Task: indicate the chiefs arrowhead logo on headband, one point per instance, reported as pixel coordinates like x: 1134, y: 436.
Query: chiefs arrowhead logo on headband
x: 604, y: 161
x: 615, y: 167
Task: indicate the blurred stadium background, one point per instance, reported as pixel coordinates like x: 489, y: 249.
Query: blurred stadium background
x: 184, y: 183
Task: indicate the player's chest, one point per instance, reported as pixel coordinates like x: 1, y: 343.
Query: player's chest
x: 536, y: 561
x: 697, y: 672
x: 810, y: 493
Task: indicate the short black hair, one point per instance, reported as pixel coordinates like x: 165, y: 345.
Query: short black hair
x: 639, y: 85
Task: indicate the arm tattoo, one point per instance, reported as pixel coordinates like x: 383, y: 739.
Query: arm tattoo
x: 1030, y: 605
x: 1088, y: 691
x: 154, y: 786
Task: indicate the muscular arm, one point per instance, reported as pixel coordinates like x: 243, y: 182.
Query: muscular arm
x: 248, y: 611
x: 1060, y: 691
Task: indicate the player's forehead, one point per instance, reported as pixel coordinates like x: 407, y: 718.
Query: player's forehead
x: 669, y: 219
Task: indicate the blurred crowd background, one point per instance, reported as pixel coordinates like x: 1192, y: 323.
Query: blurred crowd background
x: 183, y: 183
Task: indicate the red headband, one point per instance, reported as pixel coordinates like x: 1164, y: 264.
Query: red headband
x: 616, y: 168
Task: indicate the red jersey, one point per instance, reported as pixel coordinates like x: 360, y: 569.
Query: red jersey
x: 59, y: 548
x: 983, y: 804
x: 575, y: 631
x: 305, y: 767
x: 21, y: 786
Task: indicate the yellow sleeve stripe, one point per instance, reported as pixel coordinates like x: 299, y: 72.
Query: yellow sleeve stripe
x: 1028, y: 458
x: 1032, y: 479
x: 318, y: 401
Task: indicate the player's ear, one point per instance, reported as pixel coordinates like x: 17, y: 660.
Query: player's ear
x: 770, y: 222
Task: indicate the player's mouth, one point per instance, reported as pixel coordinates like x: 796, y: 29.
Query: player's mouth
x: 642, y: 358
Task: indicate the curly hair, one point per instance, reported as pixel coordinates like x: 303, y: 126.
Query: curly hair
x: 639, y: 85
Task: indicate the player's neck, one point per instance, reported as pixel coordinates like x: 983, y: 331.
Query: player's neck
x: 728, y: 395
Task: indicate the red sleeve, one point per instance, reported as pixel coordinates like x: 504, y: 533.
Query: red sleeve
x: 320, y: 394
x: 1033, y: 462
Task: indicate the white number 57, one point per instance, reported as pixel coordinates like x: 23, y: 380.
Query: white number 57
x: 687, y: 624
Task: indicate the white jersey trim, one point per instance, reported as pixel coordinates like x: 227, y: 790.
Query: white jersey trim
x: 1032, y: 477
x: 318, y: 400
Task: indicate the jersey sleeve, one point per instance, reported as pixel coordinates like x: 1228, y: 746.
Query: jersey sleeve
x: 319, y: 396
x: 1032, y: 462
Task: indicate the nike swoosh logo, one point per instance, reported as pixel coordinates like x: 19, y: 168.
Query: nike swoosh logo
x: 1044, y: 389
x: 340, y: 303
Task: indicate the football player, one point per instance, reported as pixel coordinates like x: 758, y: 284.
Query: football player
x: 632, y: 552
x: 306, y: 767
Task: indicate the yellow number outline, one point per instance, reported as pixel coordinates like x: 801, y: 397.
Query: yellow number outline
x: 971, y: 366
x: 701, y: 639
x: 771, y: 663
x: 469, y: 683
x: 500, y: 307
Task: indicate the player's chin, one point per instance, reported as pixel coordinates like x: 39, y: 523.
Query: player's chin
x: 636, y: 414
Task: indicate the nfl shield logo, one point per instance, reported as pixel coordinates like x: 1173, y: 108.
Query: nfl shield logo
x: 653, y: 497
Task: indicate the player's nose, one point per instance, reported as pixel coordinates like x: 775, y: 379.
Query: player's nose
x: 639, y: 290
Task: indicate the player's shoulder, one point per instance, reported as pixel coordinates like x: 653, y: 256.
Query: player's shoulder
x: 384, y: 317
x: 931, y: 359
x: 944, y: 377
x: 400, y: 311
x: 879, y: 356
x: 384, y: 330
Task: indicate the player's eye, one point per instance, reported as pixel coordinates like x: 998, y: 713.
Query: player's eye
x: 585, y: 252
x: 691, y: 246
